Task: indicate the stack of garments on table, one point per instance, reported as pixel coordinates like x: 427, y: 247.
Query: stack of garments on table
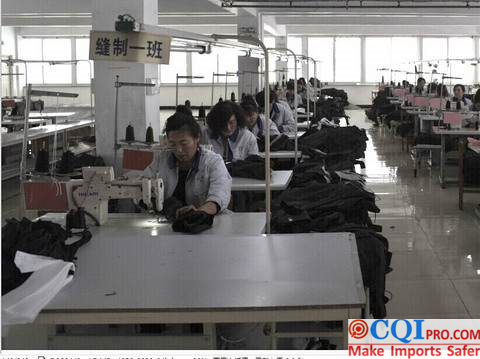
x: 342, y: 147
x: 320, y: 199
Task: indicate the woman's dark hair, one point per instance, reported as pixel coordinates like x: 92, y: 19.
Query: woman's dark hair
x: 302, y: 80
x: 260, y: 97
x: 184, y: 109
x: 290, y: 85
x: 249, y: 105
x: 218, y: 117
x: 420, y: 79
x: 476, y: 98
x: 459, y: 85
x: 182, y: 122
x: 442, y: 91
x: 432, y: 87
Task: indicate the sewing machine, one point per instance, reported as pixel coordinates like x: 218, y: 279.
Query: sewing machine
x: 92, y: 193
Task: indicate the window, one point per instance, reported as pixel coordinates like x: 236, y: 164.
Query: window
x: 177, y: 65
x: 461, y: 48
x: 204, y: 65
x: 321, y: 49
x: 378, y: 52
x: 404, y: 53
x: 347, y: 59
x: 434, y: 49
x: 31, y: 49
x: 83, y: 68
x: 227, y: 62
x: 57, y: 50
x: 294, y: 44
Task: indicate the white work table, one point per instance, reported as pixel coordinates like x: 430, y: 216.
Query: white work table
x: 462, y: 134
x: 279, y: 181
x: 139, y: 278
x: 13, y: 138
x: 223, y: 224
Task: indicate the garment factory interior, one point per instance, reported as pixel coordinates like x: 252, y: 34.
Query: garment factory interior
x: 169, y: 213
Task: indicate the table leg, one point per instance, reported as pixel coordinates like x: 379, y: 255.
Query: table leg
x: 461, y: 150
x: 442, y: 161
x: 209, y: 329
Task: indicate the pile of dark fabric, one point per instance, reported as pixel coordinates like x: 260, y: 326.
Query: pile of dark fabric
x: 277, y: 143
x: 192, y: 222
x: 380, y: 106
x: 323, y: 199
x: 341, y: 146
x: 41, y: 238
x: 471, y: 168
x: 335, y: 93
x: 251, y: 167
x: 330, y: 108
x: 70, y: 162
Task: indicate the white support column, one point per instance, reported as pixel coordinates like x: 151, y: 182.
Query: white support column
x: 363, y: 60
x: 249, y: 23
x: 134, y: 106
x: 476, y: 78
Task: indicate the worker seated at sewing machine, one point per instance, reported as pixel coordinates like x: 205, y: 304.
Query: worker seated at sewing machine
x: 194, y: 176
x: 459, y: 96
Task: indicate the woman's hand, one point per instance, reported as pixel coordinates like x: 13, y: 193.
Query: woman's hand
x: 183, y: 210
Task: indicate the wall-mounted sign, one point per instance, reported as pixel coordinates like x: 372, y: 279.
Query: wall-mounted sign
x: 133, y: 47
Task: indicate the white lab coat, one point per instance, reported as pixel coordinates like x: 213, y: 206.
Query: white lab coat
x: 282, y: 115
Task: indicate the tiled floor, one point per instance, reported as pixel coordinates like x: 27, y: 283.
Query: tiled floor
x: 436, y: 247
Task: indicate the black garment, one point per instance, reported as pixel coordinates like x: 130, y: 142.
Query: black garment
x: 193, y: 222
x: 42, y: 238
x: 170, y: 207
x: 277, y: 143
x: 179, y: 192
x: 471, y: 168
x: 251, y: 167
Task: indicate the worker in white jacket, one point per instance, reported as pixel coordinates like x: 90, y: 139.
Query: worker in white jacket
x: 227, y: 132
x: 280, y: 112
x: 256, y: 122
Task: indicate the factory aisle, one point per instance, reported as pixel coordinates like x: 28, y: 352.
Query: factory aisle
x: 436, y: 247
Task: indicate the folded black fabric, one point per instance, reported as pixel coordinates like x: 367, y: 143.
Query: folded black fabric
x: 277, y: 143
x: 251, y: 167
x: 193, y: 222
x: 70, y: 162
x: 42, y: 238
x: 170, y: 207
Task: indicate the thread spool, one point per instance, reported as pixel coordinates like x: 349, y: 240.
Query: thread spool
x: 149, y: 135
x: 232, y: 97
x: 188, y: 104
x: 42, y: 162
x: 220, y: 100
x: 448, y: 105
x: 459, y: 106
x: 130, y: 134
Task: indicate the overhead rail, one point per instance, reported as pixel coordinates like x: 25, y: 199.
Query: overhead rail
x: 352, y: 4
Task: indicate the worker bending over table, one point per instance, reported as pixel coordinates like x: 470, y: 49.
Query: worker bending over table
x: 420, y: 88
x: 256, y: 122
x: 227, y: 133
x: 280, y: 112
x: 476, y: 101
x: 294, y: 100
x: 459, y: 96
x: 196, y: 177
